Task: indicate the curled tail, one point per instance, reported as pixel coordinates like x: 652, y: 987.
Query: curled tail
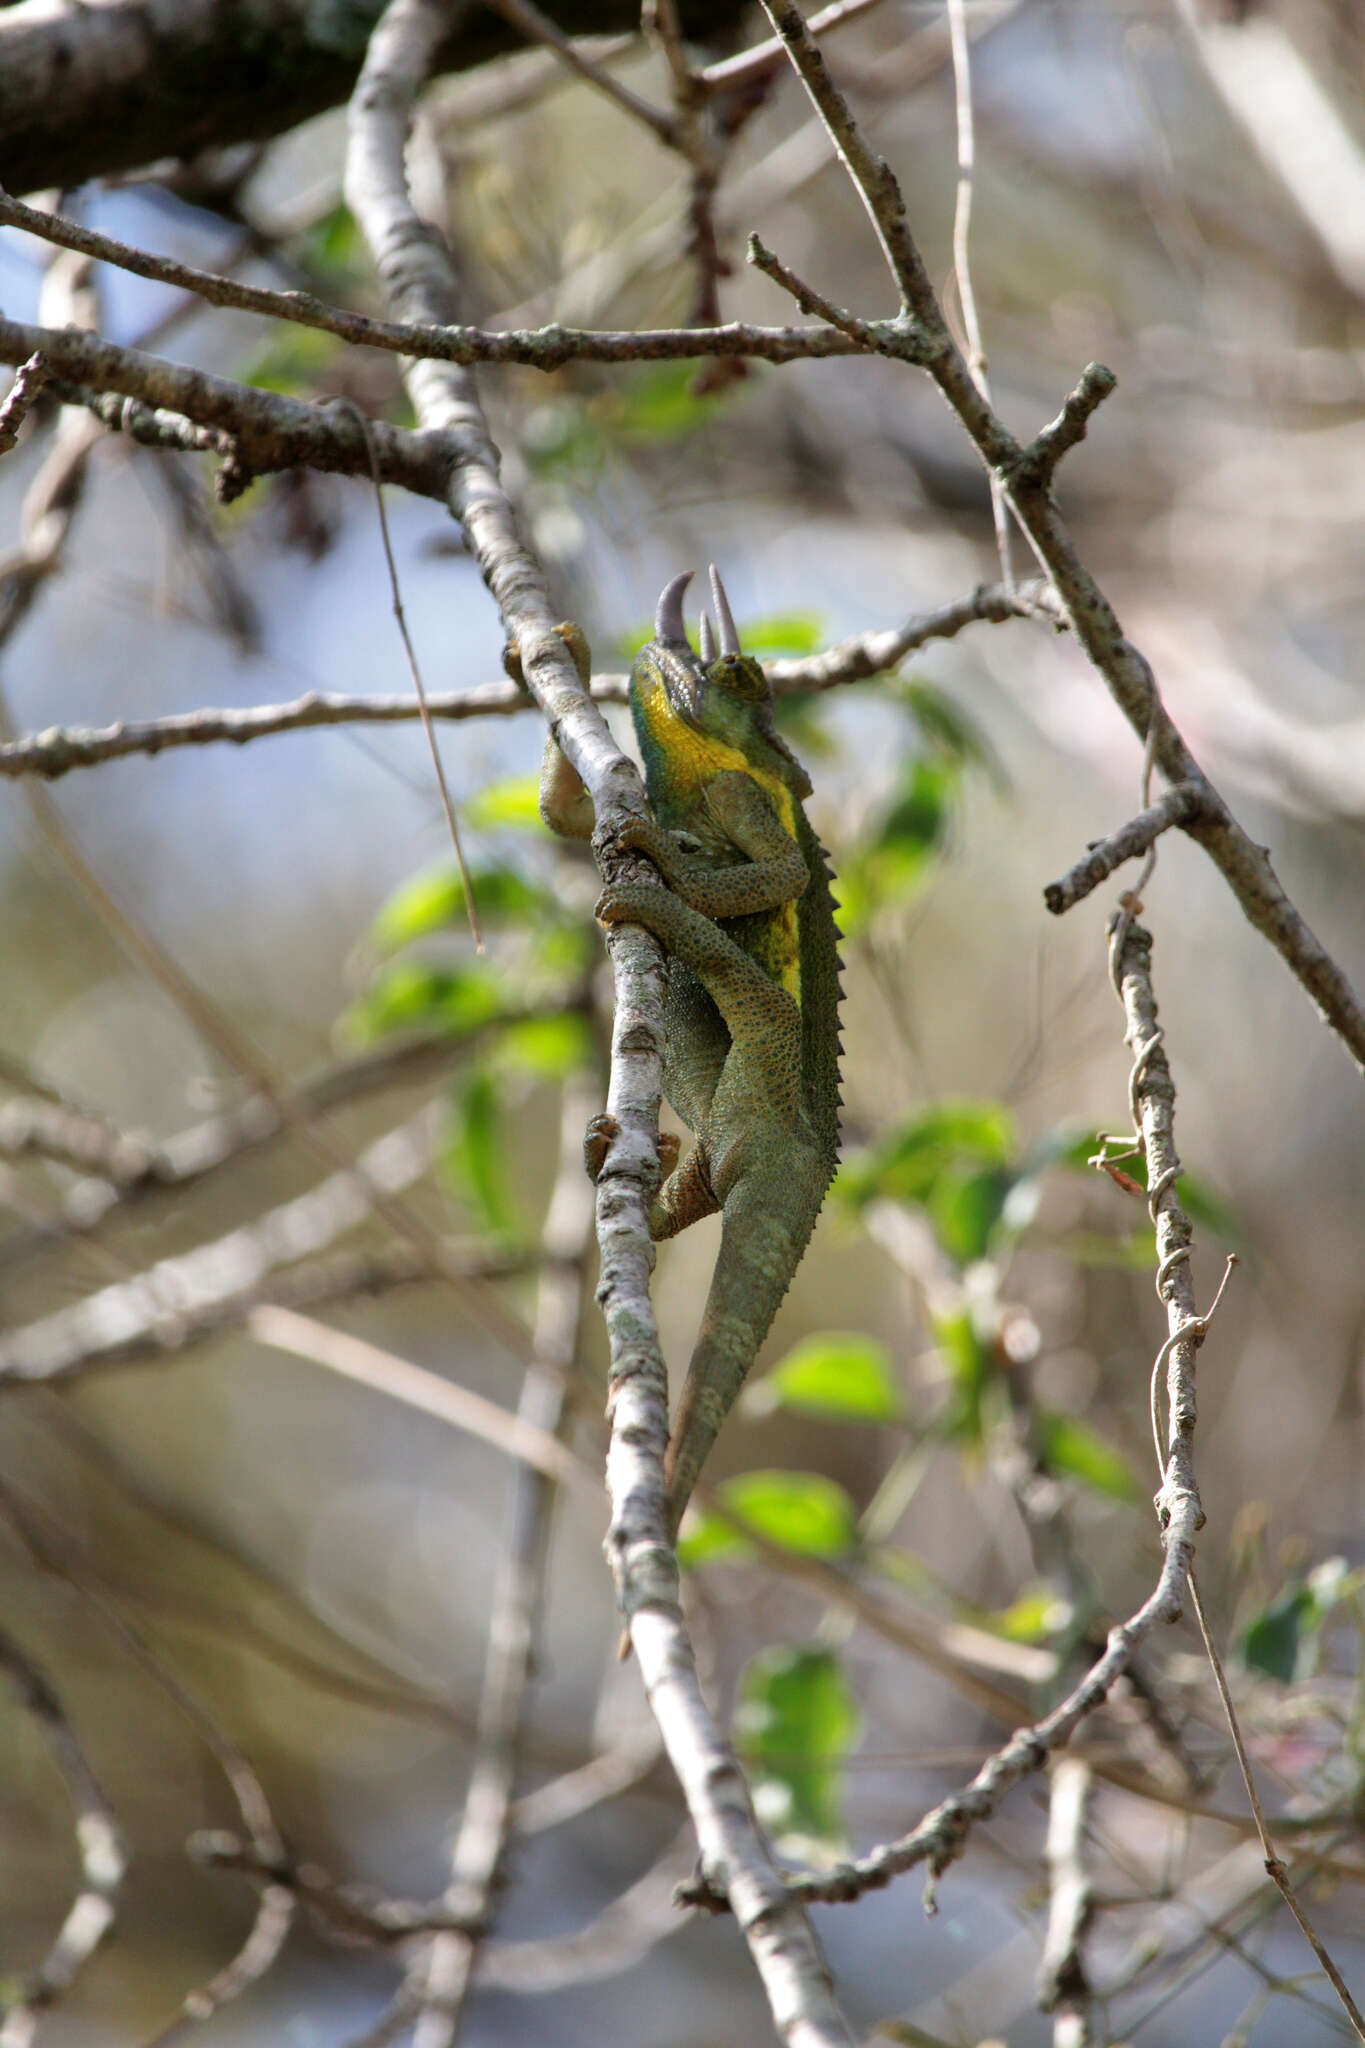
x: 767, y: 1220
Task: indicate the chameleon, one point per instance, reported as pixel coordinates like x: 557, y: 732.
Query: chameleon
x: 745, y: 916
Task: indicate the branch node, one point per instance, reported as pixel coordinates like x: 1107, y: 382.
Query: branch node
x: 1037, y: 463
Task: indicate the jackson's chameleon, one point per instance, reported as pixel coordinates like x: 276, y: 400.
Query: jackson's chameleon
x: 752, y: 1008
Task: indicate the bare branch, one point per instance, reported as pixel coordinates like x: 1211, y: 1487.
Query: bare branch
x: 417, y: 273
x: 923, y: 334
x: 514, y: 1628
x: 53, y: 1552
x: 19, y: 399
x: 370, y: 1365
x: 1177, y: 807
x: 536, y: 26
x: 99, y: 1843
x: 1063, y: 1983
x: 60, y: 749
x: 447, y: 341
x: 196, y: 1293
x: 1276, y: 1868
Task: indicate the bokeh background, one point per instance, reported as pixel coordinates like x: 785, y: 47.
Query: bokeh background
x: 1176, y: 194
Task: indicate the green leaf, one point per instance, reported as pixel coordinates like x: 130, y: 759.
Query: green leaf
x: 292, y: 361
x: 659, y: 404
x: 835, y: 1374
x: 790, y: 633
x: 409, y: 997
x: 1133, y: 1253
x: 1032, y: 1618
x: 1072, y: 1447
x: 908, y: 1164
x: 475, y: 1155
x: 331, y: 247
x: 795, y: 1721
x: 802, y: 1511
x: 513, y: 802
x: 430, y: 902
x: 971, y: 1367
x: 947, y: 729
x: 548, y: 1047
x: 1277, y: 1639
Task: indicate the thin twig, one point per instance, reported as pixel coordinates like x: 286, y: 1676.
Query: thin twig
x: 962, y: 264
x: 1177, y: 807
x: 370, y: 1365
x: 545, y: 348
x: 480, y: 1849
x: 466, y: 880
x: 537, y: 27
x: 942, y: 1836
x: 60, y: 749
x: 1245, y: 866
x: 1275, y: 1866
x: 274, y: 1916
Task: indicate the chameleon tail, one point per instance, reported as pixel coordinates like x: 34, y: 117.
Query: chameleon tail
x: 766, y: 1224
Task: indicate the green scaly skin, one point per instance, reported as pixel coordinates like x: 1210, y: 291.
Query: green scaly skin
x: 752, y: 1008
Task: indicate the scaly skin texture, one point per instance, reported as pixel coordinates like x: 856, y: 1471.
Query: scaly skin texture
x: 752, y: 1009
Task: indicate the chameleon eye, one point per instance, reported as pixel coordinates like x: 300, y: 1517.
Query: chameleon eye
x: 739, y: 675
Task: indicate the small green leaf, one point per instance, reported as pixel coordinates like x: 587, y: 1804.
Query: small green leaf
x: 948, y: 1135
x: 946, y: 727
x: 1072, y: 1447
x: 971, y: 1367
x: 1133, y: 1253
x: 547, y: 1047
x: 802, y: 1511
x: 433, y: 901
x: 475, y: 1154
x: 789, y: 633
x: 410, y: 997
x: 795, y: 1721
x: 1276, y: 1640
x: 292, y: 361
x: 834, y: 1374
x: 708, y: 1539
x: 1033, y: 1618
x: 331, y: 247
x: 513, y: 802
x: 659, y: 404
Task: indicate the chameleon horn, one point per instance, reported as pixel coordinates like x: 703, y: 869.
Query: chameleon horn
x: 729, y: 638
x: 668, y: 619
x: 706, y: 639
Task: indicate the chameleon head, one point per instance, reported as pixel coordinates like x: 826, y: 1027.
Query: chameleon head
x: 722, y: 694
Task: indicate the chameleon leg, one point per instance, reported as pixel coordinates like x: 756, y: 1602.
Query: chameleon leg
x: 685, y: 1197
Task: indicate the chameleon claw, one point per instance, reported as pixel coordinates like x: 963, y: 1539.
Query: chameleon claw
x: 668, y: 618
x: 706, y: 639
x: 725, y: 618
x: 597, y: 1142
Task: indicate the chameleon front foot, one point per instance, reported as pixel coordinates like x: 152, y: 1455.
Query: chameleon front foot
x: 598, y: 1139
x: 601, y: 1134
